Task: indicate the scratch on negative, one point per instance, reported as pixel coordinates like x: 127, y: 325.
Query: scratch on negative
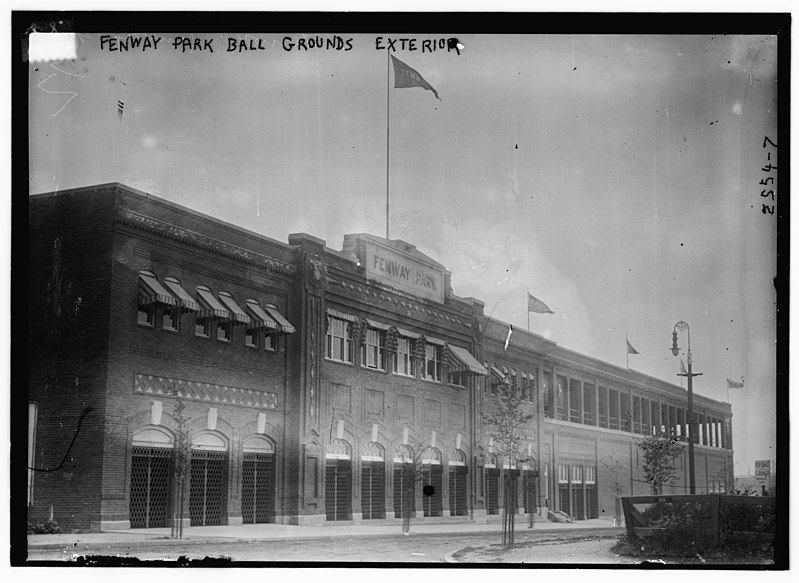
x: 72, y: 94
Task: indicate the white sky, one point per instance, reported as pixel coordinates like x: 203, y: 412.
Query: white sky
x: 615, y: 177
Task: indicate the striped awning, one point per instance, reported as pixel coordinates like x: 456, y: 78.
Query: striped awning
x: 238, y: 315
x: 260, y: 319
x: 152, y: 292
x: 341, y: 315
x: 285, y: 325
x: 461, y: 360
x: 211, y: 308
x: 377, y: 325
x: 408, y: 334
x: 185, y: 300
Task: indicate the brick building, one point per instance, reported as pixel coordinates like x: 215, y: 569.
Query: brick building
x: 300, y: 381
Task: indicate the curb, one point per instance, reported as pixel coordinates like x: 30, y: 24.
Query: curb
x: 449, y: 558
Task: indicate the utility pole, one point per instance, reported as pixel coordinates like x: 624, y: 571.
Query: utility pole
x: 691, y: 420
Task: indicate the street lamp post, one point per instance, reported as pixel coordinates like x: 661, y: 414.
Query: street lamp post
x: 681, y: 325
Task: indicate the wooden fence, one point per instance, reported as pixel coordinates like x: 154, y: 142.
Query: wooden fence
x: 719, y: 506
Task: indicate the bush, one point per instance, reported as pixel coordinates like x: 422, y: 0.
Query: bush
x: 50, y: 527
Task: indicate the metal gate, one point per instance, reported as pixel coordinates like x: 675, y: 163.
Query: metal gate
x: 563, y: 498
x: 492, y: 490
x: 373, y: 489
x: 528, y: 487
x: 579, y: 503
x: 150, y: 472
x: 208, y: 491
x: 257, y: 487
x: 457, y: 490
x: 432, y: 480
x: 404, y: 491
x: 338, y: 489
x: 591, y: 506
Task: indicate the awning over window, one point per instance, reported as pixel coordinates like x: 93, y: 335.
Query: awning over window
x: 498, y: 375
x: 341, y: 315
x: 435, y: 341
x: 408, y: 334
x: 238, y: 315
x: 184, y: 299
x: 210, y: 306
x: 260, y: 319
x: 152, y: 292
x: 461, y: 360
x: 377, y: 325
x: 285, y: 325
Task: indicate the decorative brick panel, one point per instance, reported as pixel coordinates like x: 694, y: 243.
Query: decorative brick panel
x: 203, y: 392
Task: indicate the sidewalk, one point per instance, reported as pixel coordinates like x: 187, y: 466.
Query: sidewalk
x: 265, y: 532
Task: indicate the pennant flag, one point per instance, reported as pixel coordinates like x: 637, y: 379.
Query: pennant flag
x: 630, y: 349
x: 682, y: 368
x: 405, y: 76
x: 734, y: 384
x: 507, y: 340
x: 537, y: 306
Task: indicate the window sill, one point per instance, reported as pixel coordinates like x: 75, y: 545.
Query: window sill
x: 333, y: 360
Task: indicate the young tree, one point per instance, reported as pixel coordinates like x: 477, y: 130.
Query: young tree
x: 504, y: 422
x: 182, y: 465
x: 660, y: 454
x: 412, y: 473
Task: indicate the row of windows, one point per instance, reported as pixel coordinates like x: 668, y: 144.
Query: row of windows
x: 412, y: 355
x: 215, y: 317
x: 576, y: 474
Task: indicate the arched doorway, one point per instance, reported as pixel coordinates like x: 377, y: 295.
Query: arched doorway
x: 492, y: 485
x: 373, y: 481
x: 432, y: 482
x: 338, y: 481
x: 258, y: 481
x: 150, y: 478
x: 208, y: 489
x: 404, y: 483
x: 457, y: 483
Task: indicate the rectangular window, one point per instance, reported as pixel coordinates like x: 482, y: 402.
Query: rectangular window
x: 577, y: 474
x: 147, y: 315
x: 270, y: 342
x: 403, y: 357
x: 374, y: 350
x: 202, y: 328
x: 563, y: 474
x: 457, y: 378
x: 252, y: 338
x: 590, y: 474
x: 223, y: 331
x: 171, y: 319
x: 432, y: 362
x: 549, y: 391
x: 339, y: 340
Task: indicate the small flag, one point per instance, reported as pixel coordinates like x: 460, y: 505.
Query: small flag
x: 734, y: 384
x: 537, y: 306
x: 507, y: 340
x: 683, y: 372
x: 405, y: 76
x: 630, y: 349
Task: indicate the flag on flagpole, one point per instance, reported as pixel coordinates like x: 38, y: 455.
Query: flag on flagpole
x: 507, y: 340
x: 405, y: 76
x: 630, y: 349
x: 537, y: 306
x: 734, y: 384
x: 683, y: 372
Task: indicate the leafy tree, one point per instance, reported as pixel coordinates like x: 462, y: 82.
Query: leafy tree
x: 660, y: 454
x: 508, y: 416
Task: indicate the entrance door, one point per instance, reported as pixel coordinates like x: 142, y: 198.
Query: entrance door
x: 457, y: 490
x: 492, y: 490
x: 338, y: 489
x: 528, y: 487
x: 373, y: 489
x: 404, y: 491
x: 150, y: 473
x: 208, y: 491
x: 257, y: 487
x: 432, y: 484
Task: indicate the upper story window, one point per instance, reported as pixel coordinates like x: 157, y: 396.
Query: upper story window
x: 152, y: 295
x: 374, y: 349
x: 403, y: 357
x: 432, y: 362
x: 339, y: 339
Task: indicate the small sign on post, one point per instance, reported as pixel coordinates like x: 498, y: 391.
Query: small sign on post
x: 762, y: 471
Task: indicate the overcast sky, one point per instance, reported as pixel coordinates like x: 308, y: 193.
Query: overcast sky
x: 615, y: 177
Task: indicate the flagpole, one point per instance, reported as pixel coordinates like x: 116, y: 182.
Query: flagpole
x: 627, y: 349
x: 388, y: 129
x: 527, y: 301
